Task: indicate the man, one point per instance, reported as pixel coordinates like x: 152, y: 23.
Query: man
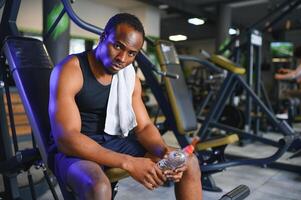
x: 291, y: 75
x: 80, y: 88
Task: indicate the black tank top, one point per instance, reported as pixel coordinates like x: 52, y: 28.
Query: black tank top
x: 91, y: 100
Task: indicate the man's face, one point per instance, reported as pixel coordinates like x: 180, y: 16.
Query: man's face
x: 119, y: 47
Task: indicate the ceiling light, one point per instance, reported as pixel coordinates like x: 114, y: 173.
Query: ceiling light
x: 196, y: 21
x: 177, y: 37
x: 163, y: 6
x: 232, y: 31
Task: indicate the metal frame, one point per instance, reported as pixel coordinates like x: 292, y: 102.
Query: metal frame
x: 221, y: 100
x: 8, y: 27
x: 214, y: 114
x: 14, y: 161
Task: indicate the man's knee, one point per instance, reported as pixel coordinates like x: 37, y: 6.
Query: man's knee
x: 193, y: 165
x: 98, y: 185
x: 88, y: 181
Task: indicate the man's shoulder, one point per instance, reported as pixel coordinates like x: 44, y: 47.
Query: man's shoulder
x: 69, y: 62
x: 67, y: 75
x: 70, y: 59
x: 69, y: 66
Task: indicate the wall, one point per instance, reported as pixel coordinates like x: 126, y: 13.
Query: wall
x: 150, y: 17
x: 195, y: 47
x: 94, y: 13
x: 30, y: 16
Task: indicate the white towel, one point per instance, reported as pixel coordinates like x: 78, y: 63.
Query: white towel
x: 120, y: 117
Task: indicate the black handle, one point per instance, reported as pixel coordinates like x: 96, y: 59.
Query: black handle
x: 238, y: 193
x: 166, y: 74
x: 169, y: 75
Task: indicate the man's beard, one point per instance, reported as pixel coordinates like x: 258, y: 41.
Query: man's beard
x: 108, y: 71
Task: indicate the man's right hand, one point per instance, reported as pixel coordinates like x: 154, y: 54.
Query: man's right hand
x: 146, y: 172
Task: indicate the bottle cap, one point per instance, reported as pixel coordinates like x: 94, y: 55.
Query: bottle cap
x: 189, y: 149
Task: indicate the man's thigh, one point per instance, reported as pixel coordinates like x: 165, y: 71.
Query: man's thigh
x: 81, y: 168
x: 128, y: 145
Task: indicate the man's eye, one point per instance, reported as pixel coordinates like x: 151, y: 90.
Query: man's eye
x: 117, y: 46
x: 132, y: 54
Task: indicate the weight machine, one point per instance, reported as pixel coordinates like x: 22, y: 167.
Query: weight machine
x: 13, y: 160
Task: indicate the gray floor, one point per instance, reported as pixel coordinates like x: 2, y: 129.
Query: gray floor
x: 264, y: 183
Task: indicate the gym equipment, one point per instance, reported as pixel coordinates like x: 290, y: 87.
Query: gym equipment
x: 208, y: 84
x: 232, y: 79
x: 251, y: 40
x: 240, y: 192
x: 292, y: 104
x: 23, y: 57
x: 13, y: 163
x: 252, y: 72
x: 253, y: 79
x: 177, y: 108
x: 203, y: 82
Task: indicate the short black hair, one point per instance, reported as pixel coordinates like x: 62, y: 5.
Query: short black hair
x: 124, y: 18
x: 297, y: 52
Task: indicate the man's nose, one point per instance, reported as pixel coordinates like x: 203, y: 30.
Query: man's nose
x: 121, y: 57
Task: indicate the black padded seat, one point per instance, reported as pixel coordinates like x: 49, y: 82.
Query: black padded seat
x: 31, y: 67
x: 177, y: 90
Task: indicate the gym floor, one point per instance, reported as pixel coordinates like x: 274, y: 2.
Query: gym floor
x: 264, y: 183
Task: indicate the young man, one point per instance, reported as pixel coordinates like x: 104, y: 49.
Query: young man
x: 83, y: 119
x: 292, y: 75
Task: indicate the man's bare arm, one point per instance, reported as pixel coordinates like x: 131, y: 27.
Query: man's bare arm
x: 66, y: 80
x: 147, y: 134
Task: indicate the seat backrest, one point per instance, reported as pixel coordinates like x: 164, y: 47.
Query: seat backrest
x: 177, y: 90
x: 31, y: 67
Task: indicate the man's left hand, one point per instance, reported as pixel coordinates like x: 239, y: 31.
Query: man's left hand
x: 176, y: 174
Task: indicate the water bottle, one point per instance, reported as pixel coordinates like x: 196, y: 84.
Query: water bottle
x: 176, y: 158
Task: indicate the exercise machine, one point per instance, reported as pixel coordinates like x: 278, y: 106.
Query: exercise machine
x: 181, y: 119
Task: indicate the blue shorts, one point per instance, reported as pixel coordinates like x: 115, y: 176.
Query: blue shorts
x: 128, y: 145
